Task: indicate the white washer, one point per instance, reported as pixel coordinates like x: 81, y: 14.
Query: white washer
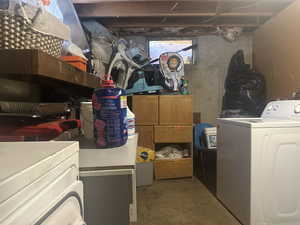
x: 258, y: 167
x: 39, y: 184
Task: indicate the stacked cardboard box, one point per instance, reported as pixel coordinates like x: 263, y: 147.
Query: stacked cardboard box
x: 165, y: 119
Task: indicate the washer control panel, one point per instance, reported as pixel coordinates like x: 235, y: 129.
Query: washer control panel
x: 297, y: 109
x: 287, y: 109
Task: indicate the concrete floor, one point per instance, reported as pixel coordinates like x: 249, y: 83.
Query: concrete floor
x: 180, y: 202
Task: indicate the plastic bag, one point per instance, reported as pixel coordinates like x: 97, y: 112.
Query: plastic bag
x: 145, y: 154
x: 52, y: 6
x: 101, y: 49
x: 245, y: 89
x: 70, y: 48
x: 97, y: 30
x: 170, y: 152
x: 44, y: 19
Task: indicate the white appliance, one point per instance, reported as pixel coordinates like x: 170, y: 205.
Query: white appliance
x: 258, y: 166
x: 39, y: 184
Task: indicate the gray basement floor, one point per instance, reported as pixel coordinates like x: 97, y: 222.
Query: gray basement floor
x: 180, y: 202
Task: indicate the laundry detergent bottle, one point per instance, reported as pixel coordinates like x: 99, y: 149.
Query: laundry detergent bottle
x: 110, y: 115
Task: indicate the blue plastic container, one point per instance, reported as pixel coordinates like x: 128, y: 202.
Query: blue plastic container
x: 110, y: 115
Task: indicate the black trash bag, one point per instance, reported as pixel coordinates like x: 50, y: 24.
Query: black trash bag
x: 245, y: 89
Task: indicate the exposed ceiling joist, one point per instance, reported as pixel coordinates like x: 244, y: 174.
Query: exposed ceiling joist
x: 107, y: 1
x: 167, y: 34
x: 166, y: 9
x: 156, y: 25
x: 95, y: 14
x: 138, y: 16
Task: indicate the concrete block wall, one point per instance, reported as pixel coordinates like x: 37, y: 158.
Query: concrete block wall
x: 208, y: 75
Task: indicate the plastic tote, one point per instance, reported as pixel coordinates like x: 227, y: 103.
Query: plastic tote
x: 211, y: 137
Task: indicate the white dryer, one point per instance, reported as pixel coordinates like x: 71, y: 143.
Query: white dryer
x: 39, y: 184
x: 258, y: 166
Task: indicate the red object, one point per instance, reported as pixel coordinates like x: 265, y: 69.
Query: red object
x: 43, y: 131
x: 46, y: 2
x: 75, y: 61
x: 107, y: 82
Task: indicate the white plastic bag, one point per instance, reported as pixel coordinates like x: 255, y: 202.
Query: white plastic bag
x: 102, y: 49
x: 170, y: 152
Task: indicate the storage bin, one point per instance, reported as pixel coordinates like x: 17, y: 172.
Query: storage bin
x: 144, y: 174
x: 173, y: 134
x: 75, y: 61
x: 211, y: 137
x: 176, y: 168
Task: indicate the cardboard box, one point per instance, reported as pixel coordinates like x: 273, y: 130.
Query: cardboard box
x: 175, y: 110
x: 146, y: 136
x: 177, y: 168
x: 145, y: 108
x: 173, y: 134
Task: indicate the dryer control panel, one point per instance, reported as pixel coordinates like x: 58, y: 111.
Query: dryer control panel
x: 287, y: 109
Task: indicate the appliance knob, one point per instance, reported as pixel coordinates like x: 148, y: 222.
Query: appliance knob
x: 270, y: 108
x: 297, y: 109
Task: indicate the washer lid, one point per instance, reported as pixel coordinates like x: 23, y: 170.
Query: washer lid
x: 15, y: 157
x: 24, y: 167
x: 59, y: 203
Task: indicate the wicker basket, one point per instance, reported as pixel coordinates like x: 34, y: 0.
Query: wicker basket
x: 16, y: 33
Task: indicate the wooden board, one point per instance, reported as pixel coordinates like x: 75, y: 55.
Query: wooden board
x: 173, y: 134
x: 145, y: 108
x: 175, y: 110
x: 146, y: 136
x: 32, y: 65
x: 177, y: 168
x: 277, y: 52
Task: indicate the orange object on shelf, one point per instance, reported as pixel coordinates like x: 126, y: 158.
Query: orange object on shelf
x: 75, y: 61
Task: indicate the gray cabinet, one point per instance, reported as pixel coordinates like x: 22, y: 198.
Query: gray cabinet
x: 109, y: 178
x: 107, y: 199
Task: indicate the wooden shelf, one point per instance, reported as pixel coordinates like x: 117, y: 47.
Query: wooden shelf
x: 35, y: 65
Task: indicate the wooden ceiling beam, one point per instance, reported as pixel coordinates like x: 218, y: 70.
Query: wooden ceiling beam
x: 201, y: 8
x: 109, y: 1
x: 157, y: 10
x: 153, y: 14
x: 167, y: 34
x: 158, y: 25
